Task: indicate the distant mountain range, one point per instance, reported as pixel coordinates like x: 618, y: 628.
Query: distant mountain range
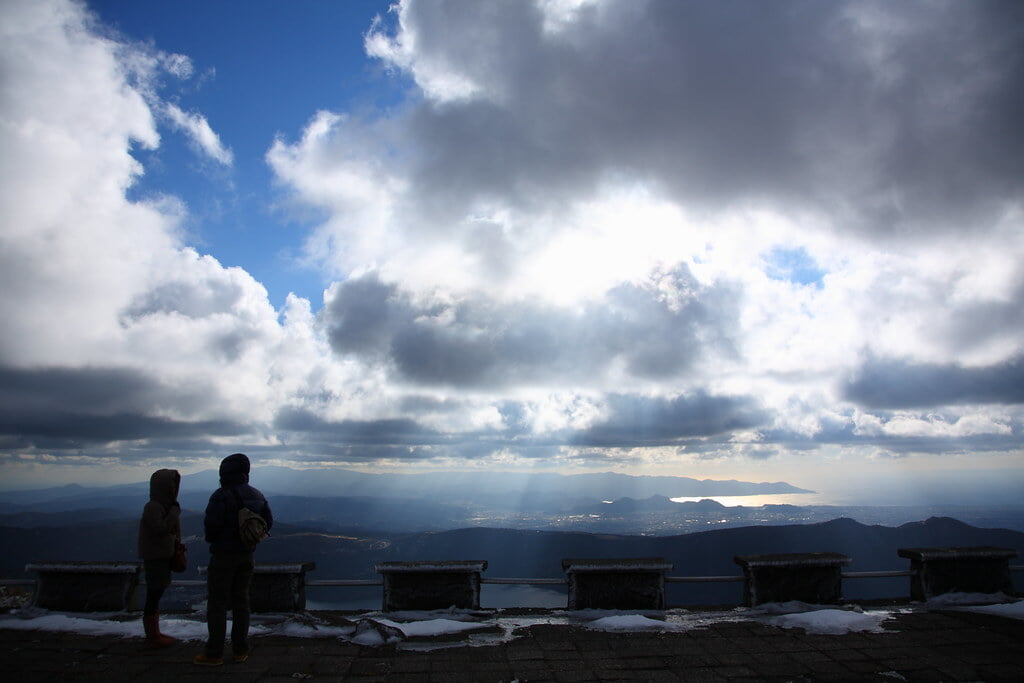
x: 523, y: 525
x: 505, y: 490
x: 353, y: 503
x: 333, y: 498
x: 524, y: 553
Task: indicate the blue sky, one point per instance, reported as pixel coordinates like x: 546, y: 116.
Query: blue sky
x: 565, y: 235
x: 266, y: 69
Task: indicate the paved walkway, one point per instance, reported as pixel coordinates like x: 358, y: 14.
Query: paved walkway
x: 916, y: 646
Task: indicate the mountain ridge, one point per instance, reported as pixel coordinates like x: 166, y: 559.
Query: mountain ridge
x: 454, y: 486
x: 534, y: 553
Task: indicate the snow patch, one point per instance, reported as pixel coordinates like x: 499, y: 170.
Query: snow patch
x: 433, y: 627
x: 819, y: 619
x: 832, y: 621
x: 955, y: 599
x: 1012, y: 610
x: 630, y: 622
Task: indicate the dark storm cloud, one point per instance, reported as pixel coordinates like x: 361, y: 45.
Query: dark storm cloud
x: 63, y: 389
x: 94, y: 390
x: 480, y: 342
x: 368, y: 453
x: 66, y: 407
x: 884, y: 115
x: 845, y: 433
x: 71, y: 430
x: 381, y: 432
x: 645, y: 421
x: 897, y: 384
x: 430, y: 404
x: 970, y: 327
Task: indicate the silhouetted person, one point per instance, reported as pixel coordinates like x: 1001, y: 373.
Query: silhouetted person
x: 159, y: 531
x: 231, y: 561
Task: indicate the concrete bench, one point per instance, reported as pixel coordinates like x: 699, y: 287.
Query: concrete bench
x: 85, y: 586
x: 814, y: 578
x: 277, y: 586
x: 431, y: 585
x: 624, y: 583
x: 958, y: 570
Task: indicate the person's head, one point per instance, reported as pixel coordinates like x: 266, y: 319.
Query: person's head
x: 163, y: 486
x: 234, y: 469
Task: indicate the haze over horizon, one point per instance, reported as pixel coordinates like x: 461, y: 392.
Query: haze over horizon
x: 733, y: 240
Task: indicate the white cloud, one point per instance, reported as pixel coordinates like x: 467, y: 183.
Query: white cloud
x: 562, y: 150
x: 936, y: 426
x: 199, y: 132
x: 592, y: 222
x: 98, y: 288
x: 178, y: 65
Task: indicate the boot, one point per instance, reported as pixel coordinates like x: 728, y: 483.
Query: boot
x: 155, y: 639
x: 165, y: 640
x: 150, y: 624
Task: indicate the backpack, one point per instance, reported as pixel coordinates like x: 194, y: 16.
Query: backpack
x: 252, y: 528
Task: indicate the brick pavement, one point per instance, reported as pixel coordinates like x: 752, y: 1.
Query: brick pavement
x: 916, y: 646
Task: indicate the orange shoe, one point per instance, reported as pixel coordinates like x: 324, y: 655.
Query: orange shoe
x: 241, y: 658
x: 203, y: 660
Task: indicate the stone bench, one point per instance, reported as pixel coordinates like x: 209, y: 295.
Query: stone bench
x: 958, y: 570
x: 277, y: 586
x: 431, y: 585
x: 85, y: 586
x: 814, y: 578
x: 625, y: 583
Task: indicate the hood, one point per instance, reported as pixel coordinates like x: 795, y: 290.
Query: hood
x: 234, y: 470
x: 163, y: 486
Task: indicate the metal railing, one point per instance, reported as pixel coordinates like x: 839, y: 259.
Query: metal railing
x: 323, y: 583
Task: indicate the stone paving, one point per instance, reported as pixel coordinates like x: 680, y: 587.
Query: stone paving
x: 916, y: 646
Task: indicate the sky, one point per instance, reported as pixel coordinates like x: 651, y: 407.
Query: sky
x: 762, y: 241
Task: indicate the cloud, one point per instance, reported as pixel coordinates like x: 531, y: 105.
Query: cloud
x: 178, y: 65
x: 652, y: 330
x: 639, y: 420
x: 99, y: 287
x: 358, y: 432
x: 556, y: 156
x: 586, y: 232
x: 196, y: 127
x: 898, y: 384
x: 63, y: 408
x: 857, y: 110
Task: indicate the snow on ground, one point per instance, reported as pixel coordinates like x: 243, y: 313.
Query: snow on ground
x: 955, y: 599
x: 832, y: 621
x: 1013, y: 610
x: 446, y: 628
x: 819, y: 619
x: 630, y: 622
x: 998, y: 604
x: 433, y: 627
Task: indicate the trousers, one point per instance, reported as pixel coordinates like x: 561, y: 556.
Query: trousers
x: 227, y: 586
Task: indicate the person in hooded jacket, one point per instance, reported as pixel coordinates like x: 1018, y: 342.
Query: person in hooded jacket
x: 231, y: 561
x: 159, y: 531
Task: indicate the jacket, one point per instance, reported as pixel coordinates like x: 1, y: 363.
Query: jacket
x: 221, y: 520
x: 160, y: 525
